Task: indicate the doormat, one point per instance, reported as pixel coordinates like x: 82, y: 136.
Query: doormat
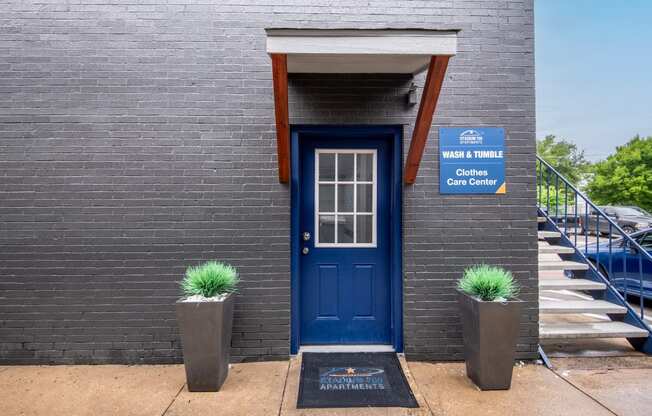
x: 353, y: 380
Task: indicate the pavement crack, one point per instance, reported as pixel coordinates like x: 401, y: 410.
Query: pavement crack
x: 285, y: 385
x: 173, y: 399
x: 578, y: 388
x: 418, y: 388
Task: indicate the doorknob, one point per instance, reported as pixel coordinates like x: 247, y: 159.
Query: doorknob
x: 306, y: 236
x: 305, y: 250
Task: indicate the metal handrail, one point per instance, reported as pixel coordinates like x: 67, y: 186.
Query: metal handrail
x: 628, y: 242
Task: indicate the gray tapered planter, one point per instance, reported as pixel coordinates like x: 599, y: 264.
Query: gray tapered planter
x: 490, y: 332
x: 206, y: 340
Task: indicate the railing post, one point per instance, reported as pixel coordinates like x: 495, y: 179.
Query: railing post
x: 640, y: 288
x: 566, y: 209
x: 586, y: 226
x: 610, y: 249
x: 556, y: 198
x: 577, y: 219
x: 597, y: 239
x: 548, y: 190
x: 625, y: 268
x: 539, y: 194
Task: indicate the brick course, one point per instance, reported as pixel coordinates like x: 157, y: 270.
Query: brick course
x: 137, y: 137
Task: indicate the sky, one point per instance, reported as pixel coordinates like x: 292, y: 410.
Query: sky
x: 594, y: 72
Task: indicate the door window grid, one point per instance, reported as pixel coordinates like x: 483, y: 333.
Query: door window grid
x: 341, y: 216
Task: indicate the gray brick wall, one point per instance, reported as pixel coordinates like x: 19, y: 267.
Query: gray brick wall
x: 137, y: 137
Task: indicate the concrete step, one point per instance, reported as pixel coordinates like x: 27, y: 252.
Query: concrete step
x: 570, y: 284
x: 612, y: 329
x: 549, y: 257
x: 580, y: 306
x: 561, y: 265
x: 552, y: 274
x: 541, y: 219
x: 547, y: 248
x: 548, y: 234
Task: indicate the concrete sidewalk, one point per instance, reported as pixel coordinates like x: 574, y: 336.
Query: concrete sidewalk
x: 590, y: 386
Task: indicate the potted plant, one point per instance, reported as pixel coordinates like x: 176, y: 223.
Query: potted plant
x: 205, y: 317
x: 490, y: 316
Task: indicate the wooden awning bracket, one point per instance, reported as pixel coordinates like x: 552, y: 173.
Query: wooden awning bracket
x: 429, y: 97
x: 282, y: 114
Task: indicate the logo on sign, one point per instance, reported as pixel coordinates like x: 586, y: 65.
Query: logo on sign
x: 352, y: 378
x: 471, y: 137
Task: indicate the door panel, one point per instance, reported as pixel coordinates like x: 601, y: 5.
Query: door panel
x: 328, y: 293
x: 345, y: 262
x: 363, y: 284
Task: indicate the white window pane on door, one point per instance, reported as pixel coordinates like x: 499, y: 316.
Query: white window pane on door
x: 345, y: 163
x: 345, y: 229
x: 364, y: 231
x: 365, y: 168
x: 327, y: 229
x: 365, y: 198
x: 344, y: 198
x: 326, y: 166
x: 344, y: 205
x: 326, y: 198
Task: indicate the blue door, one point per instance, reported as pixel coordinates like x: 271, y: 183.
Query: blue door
x: 345, y: 240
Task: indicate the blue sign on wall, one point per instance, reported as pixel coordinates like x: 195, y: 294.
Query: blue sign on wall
x: 472, y: 160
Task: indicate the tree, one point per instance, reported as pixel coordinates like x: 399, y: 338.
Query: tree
x: 564, y: 157
x: 625, y: 178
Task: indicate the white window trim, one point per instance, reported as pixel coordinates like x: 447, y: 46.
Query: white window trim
x: 354, y: 182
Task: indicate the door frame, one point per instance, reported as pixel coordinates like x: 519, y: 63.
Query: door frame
x: 395, y: 134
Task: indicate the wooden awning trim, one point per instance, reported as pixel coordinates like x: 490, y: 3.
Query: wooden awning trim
x: 282, y: 115
x: 431, y: 90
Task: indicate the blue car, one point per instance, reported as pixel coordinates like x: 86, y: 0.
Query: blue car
x: 621, y: 254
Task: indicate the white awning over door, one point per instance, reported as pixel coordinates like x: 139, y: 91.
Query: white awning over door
x: 387, y: 51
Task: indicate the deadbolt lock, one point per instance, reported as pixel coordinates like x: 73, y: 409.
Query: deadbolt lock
x: 306, y: 236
